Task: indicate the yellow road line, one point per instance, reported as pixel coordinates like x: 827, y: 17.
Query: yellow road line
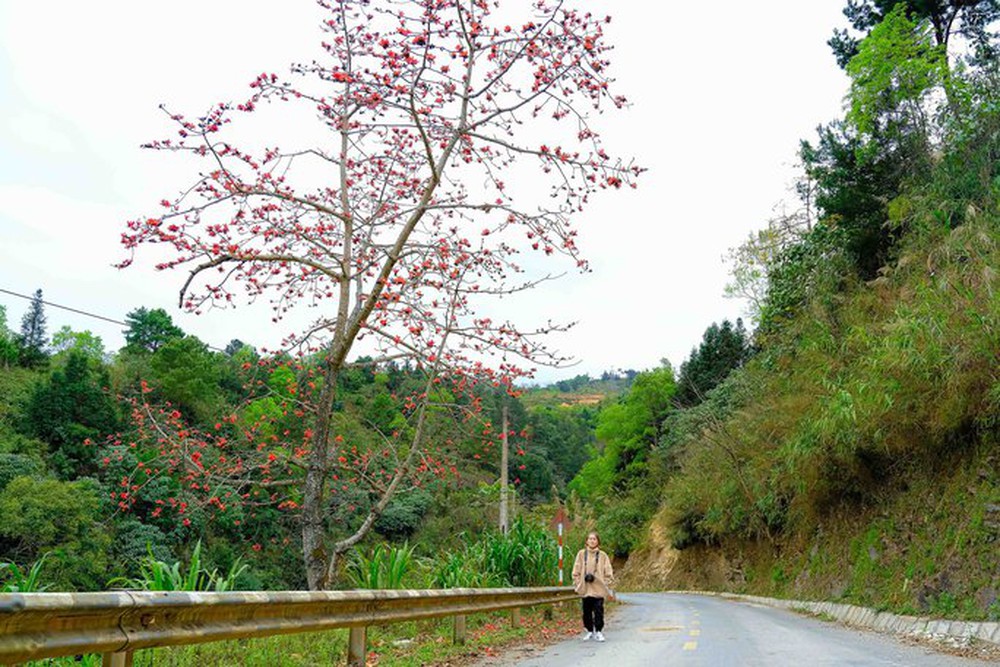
x: 694, y: 632
x: 690, y: 646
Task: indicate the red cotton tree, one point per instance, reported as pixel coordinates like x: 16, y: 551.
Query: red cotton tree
x: 448, y: 143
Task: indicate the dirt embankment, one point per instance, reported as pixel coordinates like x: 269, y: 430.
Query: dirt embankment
x: 927, y: 545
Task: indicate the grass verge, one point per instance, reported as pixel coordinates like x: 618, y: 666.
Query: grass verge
x: 398, y: 645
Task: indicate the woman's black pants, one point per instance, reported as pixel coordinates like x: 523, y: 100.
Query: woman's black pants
x: 593, y: 614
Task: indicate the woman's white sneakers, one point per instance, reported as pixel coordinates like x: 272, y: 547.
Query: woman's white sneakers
x: 587, y: 636
x: 599, y: 636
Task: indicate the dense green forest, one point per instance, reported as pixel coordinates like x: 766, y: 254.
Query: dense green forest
x: 844, y: 446
x: 96, y: 486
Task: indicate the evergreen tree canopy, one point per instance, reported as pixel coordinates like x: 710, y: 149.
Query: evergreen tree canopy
x: 855, y: 181
x: 33, y: 337
x: 969, y: 18
x: 234, y: 346
x: 573, y: 383
x: 149, y: 330
x: 70, y: 408
x: 187, y: 374
x: 33, y: 323
x: 565, y: 435
x: 723, y: 348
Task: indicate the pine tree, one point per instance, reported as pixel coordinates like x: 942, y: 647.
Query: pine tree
x: 149, y: 330
x: 71, y: 407
x: 723, y: 348
x: 33, y: 340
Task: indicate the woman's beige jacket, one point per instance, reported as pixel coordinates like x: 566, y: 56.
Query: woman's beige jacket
x: 595, y: 562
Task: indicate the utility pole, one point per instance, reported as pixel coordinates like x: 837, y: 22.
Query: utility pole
x: 503, y: 475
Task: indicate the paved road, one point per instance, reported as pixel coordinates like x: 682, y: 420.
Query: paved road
x: 670, y: 629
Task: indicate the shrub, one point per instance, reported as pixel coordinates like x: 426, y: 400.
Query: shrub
x: 404, y: 513
x: 17, y: 465
x: 135, y: 541
x: 38, y: 516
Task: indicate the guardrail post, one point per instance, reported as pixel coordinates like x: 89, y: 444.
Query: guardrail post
x: 459, y: 635
x: 123, y: 659
x: 515, y: 617
x: 357, y: 646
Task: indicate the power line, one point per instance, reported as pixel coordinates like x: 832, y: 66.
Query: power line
x: 81, y: 312
x: 72, y: 310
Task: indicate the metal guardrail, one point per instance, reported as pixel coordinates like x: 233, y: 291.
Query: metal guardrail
x: 115, y: 624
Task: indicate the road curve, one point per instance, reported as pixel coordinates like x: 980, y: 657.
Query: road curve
x: 674, y: 629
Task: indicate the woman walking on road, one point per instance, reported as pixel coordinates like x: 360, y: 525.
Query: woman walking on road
x: 593, y: 579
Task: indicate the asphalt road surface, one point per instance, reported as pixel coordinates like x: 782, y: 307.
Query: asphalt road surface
x: 672, y: 629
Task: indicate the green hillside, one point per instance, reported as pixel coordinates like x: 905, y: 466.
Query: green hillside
x: 857, y: 457
x: 854, y: 454
x: 165, y: 451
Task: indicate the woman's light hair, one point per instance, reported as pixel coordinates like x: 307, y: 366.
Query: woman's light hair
x: 594, y: 533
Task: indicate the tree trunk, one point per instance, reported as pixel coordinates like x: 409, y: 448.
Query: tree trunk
x: 504, y: 525
x: 313, y: 547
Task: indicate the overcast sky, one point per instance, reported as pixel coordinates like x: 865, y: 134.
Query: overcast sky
x: 721, y: 94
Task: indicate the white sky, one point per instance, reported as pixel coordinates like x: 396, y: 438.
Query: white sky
x: 722, y: 93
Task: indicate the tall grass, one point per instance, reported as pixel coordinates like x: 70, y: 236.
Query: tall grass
x: 157, y: 575
x: 15, y: 580
x: 525, y: 556
x: 386, y: 567
x: 462, y: 570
